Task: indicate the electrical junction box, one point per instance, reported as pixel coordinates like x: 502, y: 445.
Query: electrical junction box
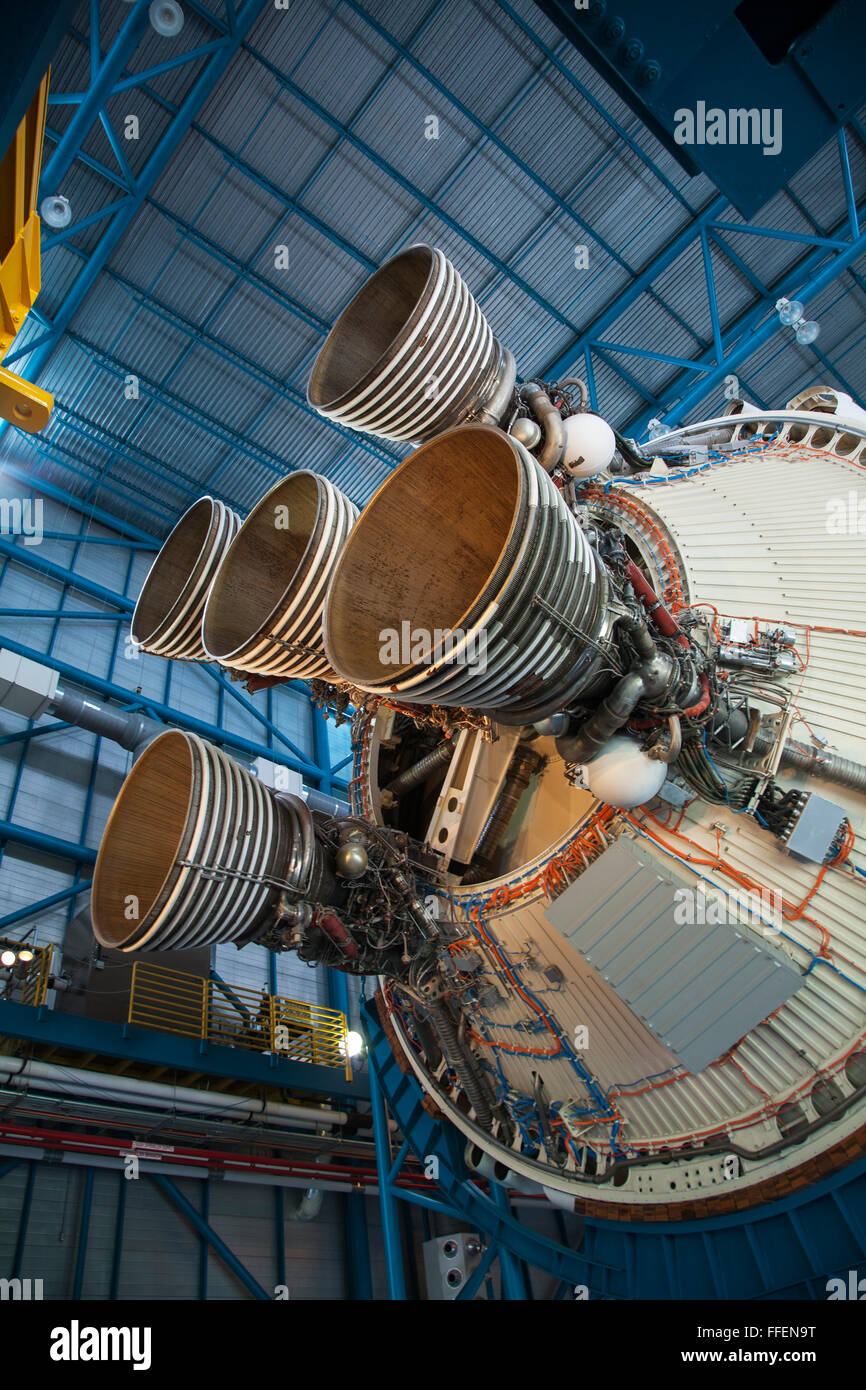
x: 675, y: 795
x: 810, y: 835
x: 449, y: 1263
x: 741, y: 631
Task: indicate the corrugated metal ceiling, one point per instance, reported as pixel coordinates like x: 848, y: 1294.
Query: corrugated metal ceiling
x: 313, y: 139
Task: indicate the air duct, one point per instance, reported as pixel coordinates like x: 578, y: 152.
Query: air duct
x: 428, y: 600
x: 168, y: 615
x: 130, y: 729
x: 264, y: 611
x: 197, y: 851
x: 412, y: 354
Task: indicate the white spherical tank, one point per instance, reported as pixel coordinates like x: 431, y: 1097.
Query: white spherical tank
x: 590, y: 445
x: 622, y: 775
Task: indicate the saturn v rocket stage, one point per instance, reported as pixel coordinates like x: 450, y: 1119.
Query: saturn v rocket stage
x: 608, y: 708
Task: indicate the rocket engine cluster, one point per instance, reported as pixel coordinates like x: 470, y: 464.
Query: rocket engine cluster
x: 523, y: 639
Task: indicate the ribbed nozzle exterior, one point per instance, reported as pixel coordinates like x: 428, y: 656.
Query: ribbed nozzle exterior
x: 168, y: 614
x: 412, y: 354
x: 264, y: 610
x: 195, y: 851
x: 468, y: 582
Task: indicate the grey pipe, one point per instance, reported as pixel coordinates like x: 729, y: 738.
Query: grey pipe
x: 550, y: 421
x: 135, y: 731
x: 668, y: 752
x: 130, y: 729
x: 327, y: 805
x: 52, y: 1077
x: 523, y: 766
x: 647, y: 678
x: 828, y: 766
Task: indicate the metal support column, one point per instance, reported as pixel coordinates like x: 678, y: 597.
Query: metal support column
x: 280, y: 1235
x: 24, y: 1220
x: 83, y: 1233
x: 388, y: 1206
x: 514, y: 1278
x: 360, y: 1284
x: 229, y: 1258
x: 119, y: 1219
x: 202, y: 1249
x: 321, y: 748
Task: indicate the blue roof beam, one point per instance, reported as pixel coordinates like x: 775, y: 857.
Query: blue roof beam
x: 91, y: 103
x: 177, y: 129
x: 807, y: 279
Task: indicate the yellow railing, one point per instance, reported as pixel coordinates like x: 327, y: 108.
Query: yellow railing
x: 28, y: 983
x: 232, y: 1016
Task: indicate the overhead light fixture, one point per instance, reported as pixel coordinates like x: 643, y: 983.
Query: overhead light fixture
x: 354, y: 1044
x: 166, y: 16
x: 26, y: 955
x: 790, y: 313
x: 56, y: 211
x: 807, y: 332
x: 7, y: 958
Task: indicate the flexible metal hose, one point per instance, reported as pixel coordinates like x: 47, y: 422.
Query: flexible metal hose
x: 829, y: 766
x: 524, y: 763
x: 442, y: 753
x: 463, y: 1062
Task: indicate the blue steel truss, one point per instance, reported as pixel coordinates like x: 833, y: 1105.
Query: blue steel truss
x: 357, y: 1253
x: 827, y: 253
x: 610, y: 342
x: 786, y: 1249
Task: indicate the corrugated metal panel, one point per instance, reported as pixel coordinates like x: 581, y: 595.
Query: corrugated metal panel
x: 700, y: 987
x: 541, y: 110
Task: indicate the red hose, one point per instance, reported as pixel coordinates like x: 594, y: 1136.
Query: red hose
x: 340, y: 935
x: 702, y: 702
x: 664, y: 620
x: 668, y: 626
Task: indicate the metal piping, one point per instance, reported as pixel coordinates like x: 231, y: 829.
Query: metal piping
x: 551, y: 422
x: 441, y: 754
x: 646, y: 679
x: 471, y: 1079
x: 670, y: 751
x: 64, y: 1079
x: 327, y: 805
x: 525, y: 762
x: 130, y: 729
x: 829, y: 766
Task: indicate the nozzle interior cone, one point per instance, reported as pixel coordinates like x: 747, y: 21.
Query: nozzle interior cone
x: 142, y: 840
x: 424, y: 548
x: 255, y: 578
x: 171, y: 571
x: 363, y: 335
